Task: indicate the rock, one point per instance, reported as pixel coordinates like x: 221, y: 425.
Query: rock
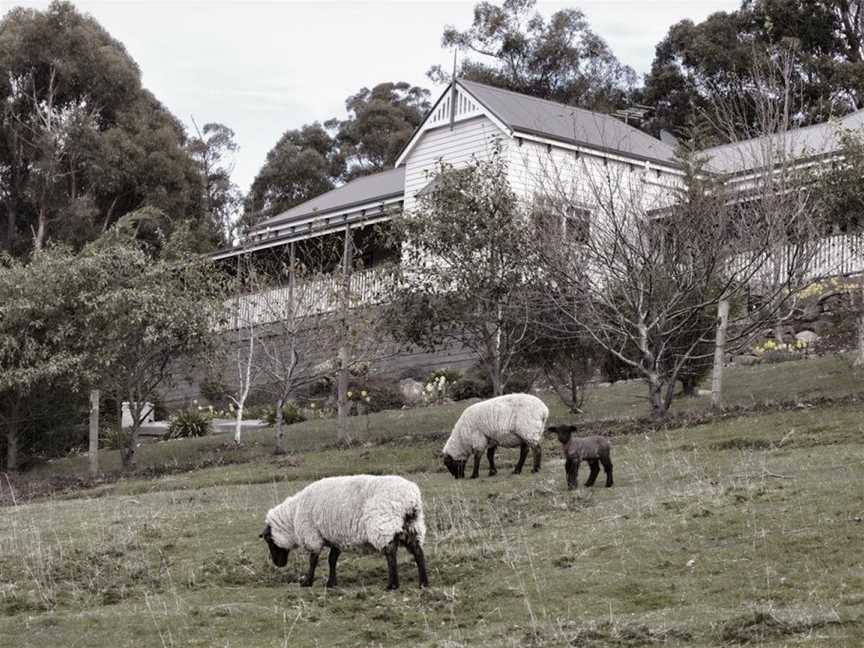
x: 412, y: 390
x: 747, y: 360
x: 808, y: 337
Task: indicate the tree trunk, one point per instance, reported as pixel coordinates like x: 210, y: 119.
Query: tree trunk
x: 342, y: 404
x: 41, y: 230
x: 11, y: 225
x: 12, y: 444
x: 656, y: 398
x: 128, y: 456
x: 719, y: 354
x: 94, y: 433
x: 688, y: 387
x: 280, y: 434
x: 238, y: 423
x: 497, y: 383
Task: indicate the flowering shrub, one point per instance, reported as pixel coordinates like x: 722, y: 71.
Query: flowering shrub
x: 772, y: 345
x: 771, y: 351
x: 439, y: 384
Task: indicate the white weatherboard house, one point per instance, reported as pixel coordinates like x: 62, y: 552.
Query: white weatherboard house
x: 547, y: 146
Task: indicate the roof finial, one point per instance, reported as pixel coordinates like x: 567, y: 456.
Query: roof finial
x: 453, y: 91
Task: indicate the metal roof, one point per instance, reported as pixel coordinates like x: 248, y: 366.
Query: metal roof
x: 364, y: 190
x: 556, y: 121
x: 801, y: 143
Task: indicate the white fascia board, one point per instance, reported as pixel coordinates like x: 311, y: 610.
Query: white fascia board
x: 372, y: 206
x: 587, y: 150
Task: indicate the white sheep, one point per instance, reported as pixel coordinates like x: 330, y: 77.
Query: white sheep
x: 340, y: 512
x: 508, y: 421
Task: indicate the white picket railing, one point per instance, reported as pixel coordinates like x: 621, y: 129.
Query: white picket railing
x: 831, y: 256
x: 321, y: 294
x: 837, y: 255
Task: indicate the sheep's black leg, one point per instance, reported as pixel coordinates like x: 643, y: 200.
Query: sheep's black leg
x: 416, y: 550
x: 310, y: 575
x: 476, y: 472
x: 523, y: 453
x: 490, y: 455
x: 332, y: 557
x: 392, y: 571
x: 595, y: 470
x: 572, y: 468
x: 607, y: 467
x: 538, y: 455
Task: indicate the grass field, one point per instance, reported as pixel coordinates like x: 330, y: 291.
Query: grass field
x: 742, y: 531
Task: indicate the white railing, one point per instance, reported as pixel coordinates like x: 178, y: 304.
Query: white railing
x: 311, y: 296
x: 831, y: 256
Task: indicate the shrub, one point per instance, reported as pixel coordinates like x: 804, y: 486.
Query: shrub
x: 290, y: 414
x: 113, y: 438
x: 214, y: 391
x: 470, y: 387
x: 439, y: 384
x: 188, y: 423
x: 374, y: 394
x: 477, y: 384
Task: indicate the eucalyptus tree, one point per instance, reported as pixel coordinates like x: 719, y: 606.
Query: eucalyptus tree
x: 81, y: 142
x: 562, y: 59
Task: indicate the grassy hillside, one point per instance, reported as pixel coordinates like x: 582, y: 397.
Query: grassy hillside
x: 743, y: 531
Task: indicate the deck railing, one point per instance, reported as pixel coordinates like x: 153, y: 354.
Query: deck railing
x: 837, y: 255
x: 831, y: 256
x: 316, y: 295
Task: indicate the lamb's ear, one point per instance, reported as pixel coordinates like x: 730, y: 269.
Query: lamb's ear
x: 266, y: 533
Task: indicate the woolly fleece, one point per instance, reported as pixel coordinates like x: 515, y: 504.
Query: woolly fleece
x: 506, y: 421
x: 348, y: 511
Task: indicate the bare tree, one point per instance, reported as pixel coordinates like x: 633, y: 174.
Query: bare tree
x: 769, y: 183
x: 296, y: 342
x: 644, y: 278
x: 244, y: 316
x: 356, y: 327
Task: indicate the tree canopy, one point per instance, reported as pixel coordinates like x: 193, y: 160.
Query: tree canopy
x: 561, y: 59
x: 81, y: 141
x: 697, y: 64
x: 315, y: 158
x: 380, y: 122
x: 303, y: 164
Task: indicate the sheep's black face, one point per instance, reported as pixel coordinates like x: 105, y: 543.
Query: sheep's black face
x: 563, y: 432
x: 456, y: 468
x: 278, y: 555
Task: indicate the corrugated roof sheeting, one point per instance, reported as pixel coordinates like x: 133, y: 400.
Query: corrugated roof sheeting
x: 363, y: 190
x: 803, y: 143
x: 569, y: 124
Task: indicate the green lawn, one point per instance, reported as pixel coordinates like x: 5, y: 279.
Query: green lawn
x: 745, y: 531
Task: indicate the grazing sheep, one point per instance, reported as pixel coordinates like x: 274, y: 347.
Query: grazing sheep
x: 595, y: 450
x: 507, y: 421
x: 340, y: 512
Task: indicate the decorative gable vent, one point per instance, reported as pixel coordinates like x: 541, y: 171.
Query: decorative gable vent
x: 465, y: 108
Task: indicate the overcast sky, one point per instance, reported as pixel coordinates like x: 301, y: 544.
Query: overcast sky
x: 262, y: 68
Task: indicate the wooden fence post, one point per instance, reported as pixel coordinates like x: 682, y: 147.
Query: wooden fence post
x: 94, y: 433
